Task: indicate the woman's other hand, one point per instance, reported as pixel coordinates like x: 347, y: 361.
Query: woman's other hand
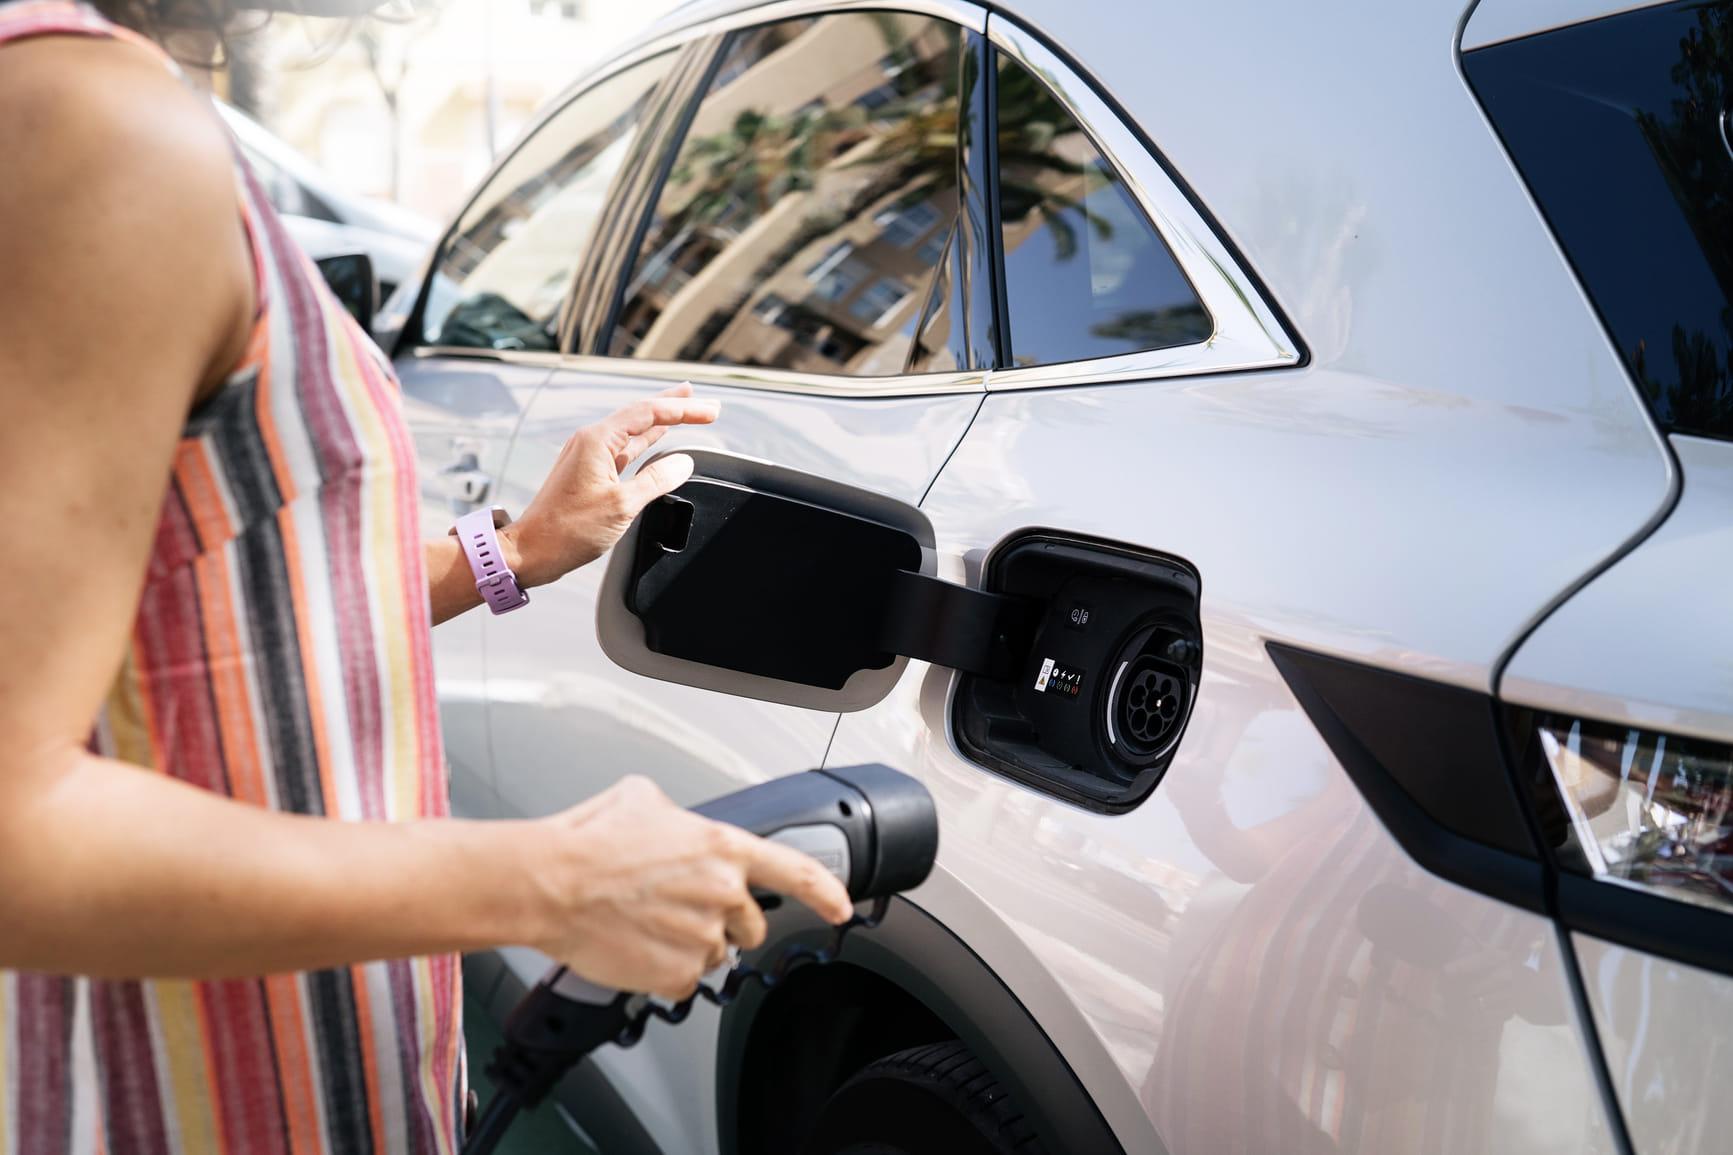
x: 583, y: 507
x: 638, y: 894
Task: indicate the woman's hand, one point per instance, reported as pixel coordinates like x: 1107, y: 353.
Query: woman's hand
x: 583, y: 507
x: 641, y: 895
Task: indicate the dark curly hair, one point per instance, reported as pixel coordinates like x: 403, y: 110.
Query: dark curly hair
x: 154, y: 17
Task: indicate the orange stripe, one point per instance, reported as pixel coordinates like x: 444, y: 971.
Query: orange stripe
x: 198, y: 484
x: 294, y: 1064
x: 258, y: 351
x: 226, y: 661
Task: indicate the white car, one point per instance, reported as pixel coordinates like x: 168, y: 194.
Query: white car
x: 327, y: 221
x: 1267, y: 468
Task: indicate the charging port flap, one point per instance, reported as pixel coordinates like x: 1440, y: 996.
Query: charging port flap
x: 765, y: 582
x: 1079, y: 660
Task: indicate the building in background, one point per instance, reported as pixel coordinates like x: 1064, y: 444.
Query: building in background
x: 413, y: 109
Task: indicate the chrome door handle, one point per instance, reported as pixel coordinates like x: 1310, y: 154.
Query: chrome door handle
x: 470, y: 486
x: 464, y: 480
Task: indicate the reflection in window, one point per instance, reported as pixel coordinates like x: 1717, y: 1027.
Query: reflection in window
x: 1621, y: 128
x: 793, y: 230
x: 878, y: 301
x: 907, y: 224
x: 508, y: 264
x: 1086, y: 274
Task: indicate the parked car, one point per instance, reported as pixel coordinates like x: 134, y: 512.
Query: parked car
x: 325, y: 220
x: 1267, y: 468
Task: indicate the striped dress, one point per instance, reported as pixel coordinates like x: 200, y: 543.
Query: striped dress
x: 281, y: 657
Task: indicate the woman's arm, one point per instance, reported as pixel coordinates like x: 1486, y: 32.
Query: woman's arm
x: 124, y: 294
x: 583, y: 507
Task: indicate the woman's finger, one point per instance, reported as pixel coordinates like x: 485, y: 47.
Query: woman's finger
x: 774, y: 867
x: 663, y: 475
x: 641, y: 416
x: 635, y: 448
x: 746, y: 926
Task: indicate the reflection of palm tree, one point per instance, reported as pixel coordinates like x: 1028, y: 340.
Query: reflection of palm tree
x: 913, y: 137
x: 1031, y: 124
x: 1153, y: 328
x: 1693, y: 157
x: 760, y: 158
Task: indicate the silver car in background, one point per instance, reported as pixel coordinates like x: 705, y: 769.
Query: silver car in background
x: 327, y: 221
x: 1266, y: 467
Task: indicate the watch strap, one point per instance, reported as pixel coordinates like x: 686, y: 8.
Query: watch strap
x: 476, y: 533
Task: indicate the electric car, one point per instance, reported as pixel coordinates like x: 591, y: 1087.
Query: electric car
x: 1267, y: 468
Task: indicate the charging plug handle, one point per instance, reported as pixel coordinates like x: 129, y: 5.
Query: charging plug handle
x: 874, y: 828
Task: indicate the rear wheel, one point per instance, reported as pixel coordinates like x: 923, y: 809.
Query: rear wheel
x: 931, y: 1100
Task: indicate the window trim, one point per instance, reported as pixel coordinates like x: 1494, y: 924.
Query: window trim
x: 1248, y: 334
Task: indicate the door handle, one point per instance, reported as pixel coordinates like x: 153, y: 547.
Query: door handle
x: 465, y: 482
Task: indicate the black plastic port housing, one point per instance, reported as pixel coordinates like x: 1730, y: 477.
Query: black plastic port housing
x: 1100, y: 702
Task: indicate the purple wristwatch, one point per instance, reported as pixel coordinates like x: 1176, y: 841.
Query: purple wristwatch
x: 494, y: 580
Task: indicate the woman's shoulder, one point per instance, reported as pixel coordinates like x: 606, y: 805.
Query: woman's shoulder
x: 113, y: 109
x: 121, y: 199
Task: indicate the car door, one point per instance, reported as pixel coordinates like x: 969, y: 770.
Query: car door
x: 802, y: 252
x: 484, y: 336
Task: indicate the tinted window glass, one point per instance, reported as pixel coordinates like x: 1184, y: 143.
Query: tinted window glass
x: 1086, y: 274
x: 808, y: 207
x: 1620, y: 127
x: 508, y: 264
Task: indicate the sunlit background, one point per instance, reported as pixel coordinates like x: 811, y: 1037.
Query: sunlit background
x: 412, y: 105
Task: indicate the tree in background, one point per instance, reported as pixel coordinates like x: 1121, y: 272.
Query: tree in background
x: 387, y: 43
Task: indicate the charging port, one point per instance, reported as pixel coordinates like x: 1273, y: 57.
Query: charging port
x: 1100, y: 700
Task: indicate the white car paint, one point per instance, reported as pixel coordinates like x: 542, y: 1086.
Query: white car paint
x: 1248, y: 959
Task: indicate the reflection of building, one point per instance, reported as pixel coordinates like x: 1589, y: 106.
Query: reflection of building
x: 811, y: 203
x: 512, y: 55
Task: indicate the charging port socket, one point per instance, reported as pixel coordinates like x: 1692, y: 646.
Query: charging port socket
x: 1099, y: 702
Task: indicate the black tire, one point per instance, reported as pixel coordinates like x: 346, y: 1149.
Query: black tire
x: 933, y: 1100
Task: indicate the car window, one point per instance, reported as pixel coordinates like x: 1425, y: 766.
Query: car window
x: 1086, y: 274
x: 1623, y: 130
x: 509, y: 262
x: 808, y: 208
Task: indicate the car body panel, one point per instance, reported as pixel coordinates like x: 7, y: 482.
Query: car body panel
x: 1662, y: 1025
x: 1650, y: 641
x: 1255, y: 823
x: 547, y: 669
x: 454, y: 407
x: 1649, y: 644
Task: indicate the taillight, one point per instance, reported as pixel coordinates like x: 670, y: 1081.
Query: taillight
x: 1616, y: 832
x: 1641, y: 809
